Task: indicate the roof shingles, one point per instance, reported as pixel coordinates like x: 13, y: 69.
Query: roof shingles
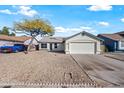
x: 14, y: 38
x: 115, y: 37
x: 49, y: 39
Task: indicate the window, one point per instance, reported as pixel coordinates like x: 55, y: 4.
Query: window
x: 55, y: 45
x: 122, y: 43
x: 43, y: 45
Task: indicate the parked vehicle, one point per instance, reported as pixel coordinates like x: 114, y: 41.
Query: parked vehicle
x: 12, y: 49
x: 5, y: 49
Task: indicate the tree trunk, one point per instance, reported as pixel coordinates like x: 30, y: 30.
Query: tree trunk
x: 29, y: 46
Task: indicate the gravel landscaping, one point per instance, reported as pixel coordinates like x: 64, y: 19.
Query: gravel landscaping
x: 50, y: 69
x: 40, y: 67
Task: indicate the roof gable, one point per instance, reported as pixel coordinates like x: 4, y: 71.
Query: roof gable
x: 86, y: 33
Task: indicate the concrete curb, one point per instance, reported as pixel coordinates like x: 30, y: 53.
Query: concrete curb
x: 113, y: 57
x: 49, y: 85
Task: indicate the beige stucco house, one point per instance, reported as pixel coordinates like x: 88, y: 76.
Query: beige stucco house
x: 80, y: 43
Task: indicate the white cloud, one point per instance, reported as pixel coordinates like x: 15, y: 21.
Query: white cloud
x: 122, y: 19
x: 27, y: 11
x: 104, y: 23
x: 61, y: 31
x: 82, y: 28
x: 100, y: 8
x: 23, y: 10
x: 6, y: 11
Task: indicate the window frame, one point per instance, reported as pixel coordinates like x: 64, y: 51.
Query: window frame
x: 43, y: 45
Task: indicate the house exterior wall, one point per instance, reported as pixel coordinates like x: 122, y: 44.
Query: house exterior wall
x: 60, y: 47
x: 34, y: 42
x: 40, y: 47
x: 48, y: 46
x: 120, y: 47
x: 8, y: 43
x: 84, y: 38
x: 110, y: 44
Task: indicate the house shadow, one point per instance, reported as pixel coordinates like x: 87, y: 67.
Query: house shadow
x: 59, y: 52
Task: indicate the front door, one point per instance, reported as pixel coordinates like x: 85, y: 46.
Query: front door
x: 50, y: 46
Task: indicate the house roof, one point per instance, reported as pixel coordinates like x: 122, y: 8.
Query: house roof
x: 14, y: 38
x: 85, y: 33
x: 50, y: 39
x: 115, y: 37
x: 122, y: 32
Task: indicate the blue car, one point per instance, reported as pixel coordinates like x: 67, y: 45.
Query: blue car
x: 12, y: 49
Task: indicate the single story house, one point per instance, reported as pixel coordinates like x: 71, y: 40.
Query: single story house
x: 80, y: 43
x: 52, y: 43
x: 113, y: 42
x: 11, y: 40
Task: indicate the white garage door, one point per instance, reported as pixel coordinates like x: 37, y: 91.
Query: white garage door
x: 82, y: 48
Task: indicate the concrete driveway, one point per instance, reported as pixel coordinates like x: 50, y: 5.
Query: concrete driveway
x: 118, y: 56
x: 106, y: 71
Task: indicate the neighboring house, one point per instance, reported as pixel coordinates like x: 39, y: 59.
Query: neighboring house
x: 11, y: 40
x: 81, y: 43
x: 34, y: 42
x: 113, y: 42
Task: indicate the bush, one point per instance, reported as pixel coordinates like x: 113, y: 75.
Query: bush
x: 104, y: 48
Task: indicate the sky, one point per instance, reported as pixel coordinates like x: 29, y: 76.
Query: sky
x: 68, y: 20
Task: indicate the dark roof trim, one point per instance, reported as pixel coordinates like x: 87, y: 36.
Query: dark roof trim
x: 52, y: 42
x: 122, y: 32
x: 85, y: 33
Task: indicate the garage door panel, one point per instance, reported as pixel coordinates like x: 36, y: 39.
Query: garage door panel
x: 82, y: 48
